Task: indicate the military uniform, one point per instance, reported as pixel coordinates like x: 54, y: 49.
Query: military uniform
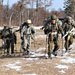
x: 8, y: 39
x: 12, y: 39
x: 5, y: 37
x: 26, y: 33
x: 68, y: 25
x: 53, y: 30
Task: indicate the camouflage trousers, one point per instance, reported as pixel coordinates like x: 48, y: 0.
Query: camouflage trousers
x: 8, y: 45
x: 52, y: 47
x: 68, y: 41
x: 26, y: 44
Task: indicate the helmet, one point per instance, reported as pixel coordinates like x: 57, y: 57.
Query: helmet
x: 69, y: 17
x: 53, y: 17
x: 28, y: 21
x: 4, y: 24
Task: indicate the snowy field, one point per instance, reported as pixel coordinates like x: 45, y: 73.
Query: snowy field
x: 36, y: 64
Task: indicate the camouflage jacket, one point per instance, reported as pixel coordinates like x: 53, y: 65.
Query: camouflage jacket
x: 5, y: 32
x: 27, y: 31
x: 68, y: 26
x: 54, y: 28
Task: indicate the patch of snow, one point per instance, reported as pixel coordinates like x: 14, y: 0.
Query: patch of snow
x: 30, y: 59
x: 30, y: 74
x: 43, y: 69
x: 68, y: 60
x: 37, y: 55
x: 73, y: 45
x: 62, y: 71
x: 40, y: 63
x: 72, y: 54
x: 40, y: 36
x: 28, y: 64
x: 14, y: 66
x: 39, y: 50
x: 62, y: 67
x: 63, y: 57
x: 1, y: 27
x: 18, y: 62
x: 38, y: 27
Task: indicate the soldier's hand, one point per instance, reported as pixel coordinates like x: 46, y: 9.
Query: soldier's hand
x: 22, y: 38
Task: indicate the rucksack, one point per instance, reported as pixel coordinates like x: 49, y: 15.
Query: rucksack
x: 24, y: 24
x: 5, y: 32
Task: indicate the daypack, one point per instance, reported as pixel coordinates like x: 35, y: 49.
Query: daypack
x: 5, y: 32
x: 21, y: 27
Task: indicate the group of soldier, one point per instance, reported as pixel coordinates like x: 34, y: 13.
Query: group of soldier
x: 52, y: 28
x: 9, y: 37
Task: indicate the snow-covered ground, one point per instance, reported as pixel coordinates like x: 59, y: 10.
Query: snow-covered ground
x: 13, y: 66
x: 63, y: 65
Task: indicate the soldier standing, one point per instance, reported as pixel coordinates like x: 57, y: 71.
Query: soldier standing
x: 53, y: 28
x: 26, y: 33
x: 68, y: 25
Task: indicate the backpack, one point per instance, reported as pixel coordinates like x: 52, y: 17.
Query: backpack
x: 5, y: 32
x: 45, y: 23
x: 21, y: 27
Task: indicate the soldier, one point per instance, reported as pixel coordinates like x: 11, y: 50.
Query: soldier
x: 12, y: 39
x: 5, y: 36
x: 53, y: 28
x: 68, y: 25
x: 26, y: 33
x: 21, y: 28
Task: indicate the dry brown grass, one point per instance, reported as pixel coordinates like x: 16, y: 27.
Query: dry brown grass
x: 39, y: 67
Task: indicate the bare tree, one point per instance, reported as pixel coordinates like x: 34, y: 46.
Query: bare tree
x: 69, y: 6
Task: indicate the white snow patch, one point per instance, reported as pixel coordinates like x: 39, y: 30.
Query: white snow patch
x: 72, y: 46
x: 28, y: 64
x: 40, y: 63
x: 37, y: 55
x: 37, y: 52
x: 40, y: 36
x: 64, y: 56
x: 62, y: 71
x: 18, y: 62
x: 14, y: 66
x: 38, y: 27
x: 72, y: 54
x: 30, y: 74
x: 40, y: 49
x: 68, y: 60
x: 62, y: 67
x: 30, y: 59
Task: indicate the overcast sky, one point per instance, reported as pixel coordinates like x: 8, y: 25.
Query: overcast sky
x: 56, y: 4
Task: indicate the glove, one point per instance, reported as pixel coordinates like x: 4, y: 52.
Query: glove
x: 22, y: 38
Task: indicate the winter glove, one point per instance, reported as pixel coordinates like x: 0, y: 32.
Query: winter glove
x: 22, y: 38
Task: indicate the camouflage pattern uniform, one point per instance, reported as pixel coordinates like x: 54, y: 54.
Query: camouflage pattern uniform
x: 8, y: 39
x: 53, y: 30
x: 68, y: 25
x: 12, y: 39
x: 5, y: 37
x: 26, y: 33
